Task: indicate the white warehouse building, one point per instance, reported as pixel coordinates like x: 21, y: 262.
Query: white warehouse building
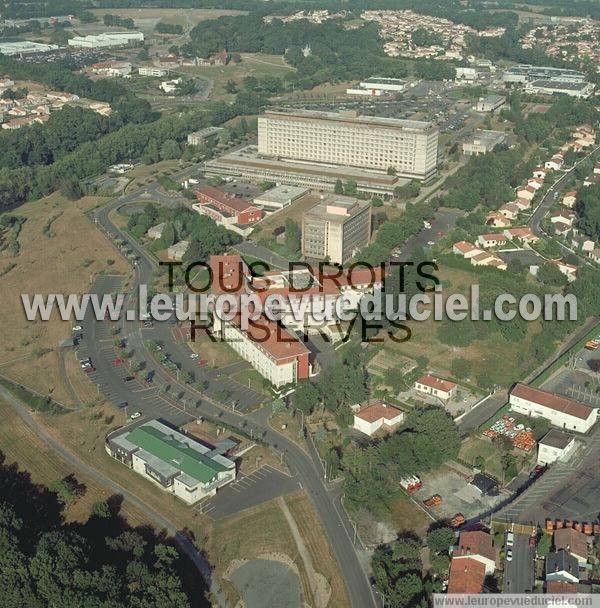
x: 562, y: 412
x: 107, y: 39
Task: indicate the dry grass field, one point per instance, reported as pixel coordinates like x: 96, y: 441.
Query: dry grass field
x: 264, y: 530
x: 493, y: 352
x: 313, y: 534
x: 252, y: 64
x: 20, y: 445
x: 60, y: 252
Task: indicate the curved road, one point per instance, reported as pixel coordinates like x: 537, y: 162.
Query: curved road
x: 335, y: 523
x: 549, y: 199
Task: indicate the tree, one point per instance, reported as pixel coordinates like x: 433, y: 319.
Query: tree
x: 305, y: 397
x: 231, y: 87
x: 460, y: 367
x: 594, y: 365
x: 440, y: 540
x: 339, y: 187
x: 170, y: 149
x: 293, y: 235
x: 549, y: 274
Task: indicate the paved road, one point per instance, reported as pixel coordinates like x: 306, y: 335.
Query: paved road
x: 159, y: 520
x: 189, y: 404
x: 549, y: 199
x: 519, y: 574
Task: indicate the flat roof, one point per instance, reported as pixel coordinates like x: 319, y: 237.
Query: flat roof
x: 486, y: 137
x: 556, y: 439
x: 380, y: 121
x: 248, y: 158
x: 351, y: 206
x: 281, y: 194
x: 377, y: 80
x: 567, y: 85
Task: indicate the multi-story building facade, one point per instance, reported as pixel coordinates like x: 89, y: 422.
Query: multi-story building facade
x: 408, y: 147
x: 336, y: 228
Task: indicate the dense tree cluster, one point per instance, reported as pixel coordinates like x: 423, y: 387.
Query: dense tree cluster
x: 373, y: 471
x: 343, y: 384
x: 397, y: 571
x: 588, y: 210
x: 44, y: 144
x: 205, y: 237
x: 117, y: 21
x: 102, y: 562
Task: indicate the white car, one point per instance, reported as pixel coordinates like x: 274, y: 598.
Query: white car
x: 430, y: 243
x: 77, y: 328
x: 194, y: 356
x: 509, y: 555
x: 135, y: 415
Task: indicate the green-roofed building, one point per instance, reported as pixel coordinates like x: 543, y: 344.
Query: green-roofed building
x: 176, y: 462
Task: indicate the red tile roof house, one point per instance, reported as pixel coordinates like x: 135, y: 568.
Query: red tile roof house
x: 562, y: 412
x: 526, y: 192
x: 497, y: 220
x: 432, y: 385
x: 509, y: 210
x: 476, y: 545
x: 540, y: 173
x: 569, y: 199
x: 370, y: 418
x: 522, y: 203
x: 535, y: 182
x: 563, y: 215
x: 466, y: 576
x: 561, y: 228
x: 230, y: 211
x: 560, y: 587
x: 573, y: 541
x: 523, y: 234
x: 467, y: 250
x: 495, y: 239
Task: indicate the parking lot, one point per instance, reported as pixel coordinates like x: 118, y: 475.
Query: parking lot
x: 248, y: 491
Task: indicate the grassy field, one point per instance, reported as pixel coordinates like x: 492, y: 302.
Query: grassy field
x: 60, y: 252
x: 255, y: 64
x: 407, y: 517
x: 217, y: 354
x: 84, y: 431
x: 313, y: 534
x: 20, y: 445
x: 491, y: 357
x: 264, y: 530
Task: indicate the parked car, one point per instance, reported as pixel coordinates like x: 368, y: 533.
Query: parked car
x: 135, y: 415
x: 194, y: 356
x: 128, y: 378
x: 510, y: 538
x: 77, y: 328
x: 509, y: 555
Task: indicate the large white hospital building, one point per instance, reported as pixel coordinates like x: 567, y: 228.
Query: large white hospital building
x: 410, y: 147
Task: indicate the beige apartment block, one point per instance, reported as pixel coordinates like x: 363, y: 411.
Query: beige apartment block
x: 336, y: 228
x: 410, y: 147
